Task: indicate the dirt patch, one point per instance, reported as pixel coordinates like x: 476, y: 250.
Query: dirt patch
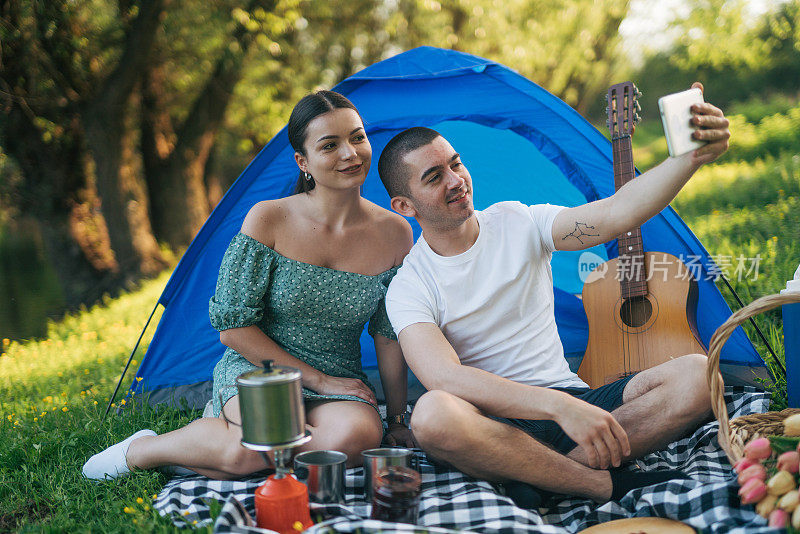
x: 29, y: 512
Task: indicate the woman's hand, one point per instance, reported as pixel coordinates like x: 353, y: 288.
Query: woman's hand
x: 400, y: 435
x: 335, y: 385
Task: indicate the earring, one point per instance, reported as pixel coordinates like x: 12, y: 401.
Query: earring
x: 307, y: 176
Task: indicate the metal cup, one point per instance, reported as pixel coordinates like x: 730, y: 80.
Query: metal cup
x: 377, y: 459
x: 323, y: 473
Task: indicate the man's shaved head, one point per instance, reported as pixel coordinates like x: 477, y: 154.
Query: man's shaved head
x: 391, y: 167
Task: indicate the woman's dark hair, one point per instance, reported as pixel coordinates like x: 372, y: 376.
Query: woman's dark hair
x: 309, y: 108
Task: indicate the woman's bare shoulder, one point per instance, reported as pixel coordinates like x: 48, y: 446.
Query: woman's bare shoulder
x: 394, y: 230
x: 265, y: 220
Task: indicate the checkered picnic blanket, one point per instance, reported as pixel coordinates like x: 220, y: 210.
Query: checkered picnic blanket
x: 451, y: 501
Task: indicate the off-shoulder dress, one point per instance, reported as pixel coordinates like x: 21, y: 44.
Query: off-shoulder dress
x: 314, y: 313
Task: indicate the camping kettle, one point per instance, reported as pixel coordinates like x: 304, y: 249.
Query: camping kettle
x: 274, y: 419
x: 271, y: 405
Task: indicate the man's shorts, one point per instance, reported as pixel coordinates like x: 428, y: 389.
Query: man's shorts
x: 608, y: 397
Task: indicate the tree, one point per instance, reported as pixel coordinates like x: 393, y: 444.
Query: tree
x: 177, y: 145
x: 81, y: 98
x: 103, y: 115
x: 569, y: 47
x: 120, y: 113
x: 733, y: 52
x: 52, y: 61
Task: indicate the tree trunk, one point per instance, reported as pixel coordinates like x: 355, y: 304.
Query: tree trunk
x: 65, y: 206
x: 179, y: 200
x: 176, y: 185
x: 604, y: 49
x: 55, y: 192
x: 123, y: 203
x: 74, y: 256
x: 177, y: 195
x: 216, y: 186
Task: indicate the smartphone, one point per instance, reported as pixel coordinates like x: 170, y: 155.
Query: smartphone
x: 676, y: 117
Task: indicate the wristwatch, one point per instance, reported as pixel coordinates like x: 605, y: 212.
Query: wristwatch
x: 399, y: 419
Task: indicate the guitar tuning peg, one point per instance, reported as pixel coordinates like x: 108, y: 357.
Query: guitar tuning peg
x: 636, y: 118
x: 638, y: 106
x: 607, y: 110
x: 638, y: 93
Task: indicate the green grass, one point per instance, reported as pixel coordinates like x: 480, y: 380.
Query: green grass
x: 746, y: 205
x: 750, y: 210
x: 53, y: 391
x: 52, y: 397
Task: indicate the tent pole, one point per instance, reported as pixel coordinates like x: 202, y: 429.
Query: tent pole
x: 758, y: 330
x: 130, y: 358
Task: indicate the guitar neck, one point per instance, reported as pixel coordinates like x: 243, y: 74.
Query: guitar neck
x: 632, y: 276
x: 624, y: 171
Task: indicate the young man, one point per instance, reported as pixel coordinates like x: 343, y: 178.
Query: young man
x: 473, y: 310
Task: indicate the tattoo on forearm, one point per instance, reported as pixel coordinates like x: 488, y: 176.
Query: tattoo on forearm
x: 580, y: 231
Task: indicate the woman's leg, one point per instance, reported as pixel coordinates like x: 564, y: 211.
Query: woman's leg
x: 213, y: 448
x: 346, y: 426
x: 208, y: 446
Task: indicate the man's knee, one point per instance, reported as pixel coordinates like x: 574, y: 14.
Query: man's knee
x: 698, y: 363
x: 683, y: 379
x: 692, y: 371
x: 690, y: 386
x: 437, y: 420
x: 694, y: 362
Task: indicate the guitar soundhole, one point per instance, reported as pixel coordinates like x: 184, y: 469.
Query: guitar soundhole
x: 635, y: 311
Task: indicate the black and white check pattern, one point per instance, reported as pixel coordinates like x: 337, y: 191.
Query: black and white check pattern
x: 452, y: 501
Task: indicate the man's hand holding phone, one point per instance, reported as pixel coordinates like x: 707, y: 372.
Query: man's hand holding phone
x: 690, y: 124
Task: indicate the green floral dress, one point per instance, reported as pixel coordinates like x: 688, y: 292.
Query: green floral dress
x: 314, y: 313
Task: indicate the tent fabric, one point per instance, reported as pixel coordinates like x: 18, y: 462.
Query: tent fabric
x: 519, y: 142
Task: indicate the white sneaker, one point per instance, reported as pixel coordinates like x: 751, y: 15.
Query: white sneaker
x: 111, y: 463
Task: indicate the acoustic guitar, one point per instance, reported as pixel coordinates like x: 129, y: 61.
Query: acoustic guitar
x: 640, y: 305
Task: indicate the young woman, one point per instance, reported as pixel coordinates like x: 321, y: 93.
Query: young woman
x: 296, y: 286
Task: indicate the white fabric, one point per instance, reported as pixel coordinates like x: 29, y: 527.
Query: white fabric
x: 111, y: 463
x: 494, y: 302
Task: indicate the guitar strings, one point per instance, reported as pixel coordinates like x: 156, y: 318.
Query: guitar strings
x: 631, y: 264
x: 627, y: 272
x: 633, y: 342
x: 620, y: 258
x: 635, y: 273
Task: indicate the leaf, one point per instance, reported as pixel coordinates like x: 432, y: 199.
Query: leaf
x: 781, y: 444
x: 214, y: 508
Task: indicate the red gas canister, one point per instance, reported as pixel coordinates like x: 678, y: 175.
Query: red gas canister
x: 282, y: 503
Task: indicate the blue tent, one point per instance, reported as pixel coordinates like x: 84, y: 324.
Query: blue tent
x: 519, y: 142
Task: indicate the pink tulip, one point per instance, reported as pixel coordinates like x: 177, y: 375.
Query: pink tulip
x: 754, y: 471
x: 752, y: 491
x: 789, y: 461
x: 743, y: 464
x: 778, y: 518
x: 758, y: 449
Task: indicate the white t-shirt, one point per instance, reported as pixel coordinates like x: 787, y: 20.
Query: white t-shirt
x: 494, y: 302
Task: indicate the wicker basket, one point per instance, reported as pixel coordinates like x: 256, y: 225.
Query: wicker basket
x: 733, y: 435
